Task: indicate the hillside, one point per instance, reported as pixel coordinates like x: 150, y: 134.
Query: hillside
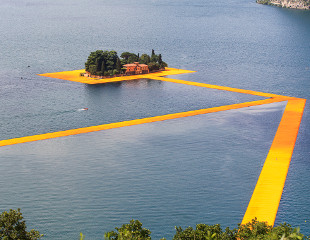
x: 297, y: 4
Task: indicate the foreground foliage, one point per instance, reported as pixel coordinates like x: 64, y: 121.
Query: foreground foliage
x: 12, y: 227
x: 133, y: 230
x: 251, y: 231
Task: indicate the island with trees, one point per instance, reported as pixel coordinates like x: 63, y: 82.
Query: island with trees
x: 104, y: 64
x: 296, y: 4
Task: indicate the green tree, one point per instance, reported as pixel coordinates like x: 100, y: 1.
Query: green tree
x: 205, y: 232
x: 285, y: 230
x: 92, y: 69
x: 98, y: 64
x: 153, y: 66
x: 92, y: 62
x: 12, y: 227
x: 253, y: 230
x: 146, y: 59
x: 160, y: 61
x: 131, y: 231
x: 123, y: 61
x: 154, y: 57
x: 111, y: 60
x: 100, y: 61
x: 125, y: 56
x: 102, y: 66
x: 163, y: 65
x: 129, y: 57
x: 118, y: 65
x: 133, y: 58
x: 110, y: 65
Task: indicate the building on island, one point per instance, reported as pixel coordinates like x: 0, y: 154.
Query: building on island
x: 136, y: 68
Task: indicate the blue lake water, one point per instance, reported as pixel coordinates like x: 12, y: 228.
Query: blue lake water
x: 178, y: 172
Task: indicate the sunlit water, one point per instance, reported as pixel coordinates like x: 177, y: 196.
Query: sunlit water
x: 178, y: 172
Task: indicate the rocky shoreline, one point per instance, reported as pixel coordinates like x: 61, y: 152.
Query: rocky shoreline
x: 295, y: 4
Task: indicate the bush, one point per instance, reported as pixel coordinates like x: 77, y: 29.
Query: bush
x: 254, y: 230
x: 131, y: 231
x: 153, y: 66
x: 115, y: 71
x: 13, y: 227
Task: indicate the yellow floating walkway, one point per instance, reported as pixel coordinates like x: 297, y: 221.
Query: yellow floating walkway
x: 132, y: 122
x: 266, y: 197
x: 267, y: 194
x: 75, y: 76
x: 219, y: 87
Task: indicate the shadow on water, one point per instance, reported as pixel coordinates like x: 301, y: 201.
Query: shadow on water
x: 120, y: 94
x: 114, y: 86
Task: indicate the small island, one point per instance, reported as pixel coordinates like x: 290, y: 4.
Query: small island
x: 296, y: 4
x: 107, y: 64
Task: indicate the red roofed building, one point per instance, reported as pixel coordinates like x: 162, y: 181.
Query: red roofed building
x: 136, y: 68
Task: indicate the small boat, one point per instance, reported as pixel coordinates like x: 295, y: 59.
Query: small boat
x: 82, y: 109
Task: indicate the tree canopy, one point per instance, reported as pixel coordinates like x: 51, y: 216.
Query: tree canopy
x: 102, y: 63
x: 12, y: 227
x: 108, y: 63
x: 253, y: 230
x: 131, y: 231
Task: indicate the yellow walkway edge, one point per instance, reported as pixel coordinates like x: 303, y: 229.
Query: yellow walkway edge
x: 133, y: 122
x: 267, y: 193
x: 74, y: 76
x: 230, y: 89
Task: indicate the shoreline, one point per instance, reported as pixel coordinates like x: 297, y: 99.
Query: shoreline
x: 300, y: 5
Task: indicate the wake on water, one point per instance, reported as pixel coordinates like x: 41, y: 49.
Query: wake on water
x: 82, y: 109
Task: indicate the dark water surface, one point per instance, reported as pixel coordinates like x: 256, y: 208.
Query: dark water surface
x: 178, y: 172
x: 107, y: 103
